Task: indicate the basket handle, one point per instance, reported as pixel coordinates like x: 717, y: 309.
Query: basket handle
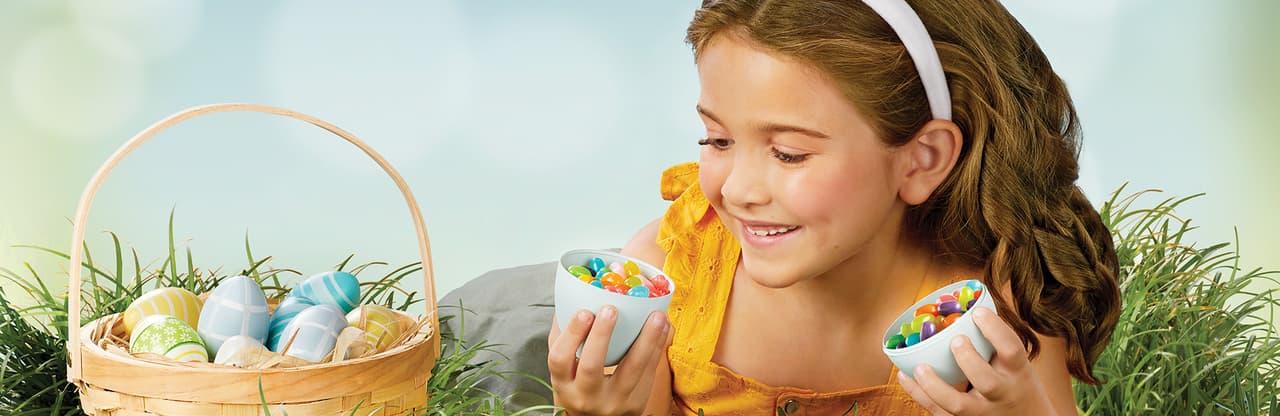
x: 76, y: 370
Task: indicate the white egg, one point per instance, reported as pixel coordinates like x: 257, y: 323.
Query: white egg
x: 239, y: 351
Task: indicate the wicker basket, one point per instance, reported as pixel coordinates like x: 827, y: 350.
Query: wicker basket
x: 389, y: 383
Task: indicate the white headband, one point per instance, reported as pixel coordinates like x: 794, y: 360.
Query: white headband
x: 910, y: 29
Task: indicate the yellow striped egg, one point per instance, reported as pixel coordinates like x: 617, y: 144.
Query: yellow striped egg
x: 173, y: 301
x: 170, y: 337
x: 380, y: 324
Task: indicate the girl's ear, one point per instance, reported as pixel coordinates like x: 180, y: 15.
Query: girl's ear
x: 928, y: 159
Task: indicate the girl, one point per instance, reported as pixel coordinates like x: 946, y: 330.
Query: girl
x: 858, y: 155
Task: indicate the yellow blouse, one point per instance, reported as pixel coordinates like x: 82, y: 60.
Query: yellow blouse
x: 702, y: 257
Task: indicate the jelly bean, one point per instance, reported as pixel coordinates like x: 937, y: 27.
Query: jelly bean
x: 635, y: 282
x: 965, y: 294
x: 614, y: 279
x: 631, y: 268
x: 920, y: 320
x: 894, y: 340
x: 948, y: 308
x: 927, y: 330
x: 660, y: 281
x: 970, y: 305
x: 913, y: 339
x: 974, y: 284
x: 586, y: 278
x: 579, y: 271
x: 946, y: 298
x: 644, y: 281
x: 617, y: 268
x: 600, y: 273
x: 906, y: 329
x: 639, y: 292
x: 977, y: 293
x: 595, y: 265
x: 927, y: 310
x: 950, y: 319
x: 616, y: 289
x: 597, y: 283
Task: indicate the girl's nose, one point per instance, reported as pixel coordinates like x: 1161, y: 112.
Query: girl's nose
x: 745, y: 186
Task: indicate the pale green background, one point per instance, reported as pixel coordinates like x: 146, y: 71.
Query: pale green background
x: 526, y: 128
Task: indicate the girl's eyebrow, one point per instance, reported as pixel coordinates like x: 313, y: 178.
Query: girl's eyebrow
x: 770, y: 127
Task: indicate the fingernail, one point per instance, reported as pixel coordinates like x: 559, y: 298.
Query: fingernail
x: 957, y: 343
x: 902, y: 378
x: 583, y: 316
x: 655, y: 319
x: 920, y: 369
x: 608, y: 312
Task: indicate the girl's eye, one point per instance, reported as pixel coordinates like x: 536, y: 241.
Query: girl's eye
x: 718, y: 144
x: 788, y: 157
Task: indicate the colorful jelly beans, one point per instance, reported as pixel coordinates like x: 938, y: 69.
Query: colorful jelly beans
x: 935, y: 317
x: 621, y: 278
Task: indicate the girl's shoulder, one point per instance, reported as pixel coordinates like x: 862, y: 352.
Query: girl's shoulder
x: 684, y: 222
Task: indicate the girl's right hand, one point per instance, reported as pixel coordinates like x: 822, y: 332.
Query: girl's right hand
x: 581, y: 386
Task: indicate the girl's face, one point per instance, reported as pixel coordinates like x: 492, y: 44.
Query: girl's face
x: 790, y: 166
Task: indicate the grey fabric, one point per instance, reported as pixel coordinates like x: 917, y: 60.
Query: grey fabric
x: 512, y: 307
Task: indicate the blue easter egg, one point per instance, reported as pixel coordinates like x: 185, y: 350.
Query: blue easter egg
x: 317, y: 330
x: 236, y: 307
x: 285, y: 312
x: 335, y: 288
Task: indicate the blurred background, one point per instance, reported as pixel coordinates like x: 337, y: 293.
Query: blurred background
x: 525, y: 128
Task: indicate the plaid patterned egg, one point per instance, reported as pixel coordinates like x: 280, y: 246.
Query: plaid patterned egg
x: 314, y: 332
x: 236, y: 307
x: 284, y: 314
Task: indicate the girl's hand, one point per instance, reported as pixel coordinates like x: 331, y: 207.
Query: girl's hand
x: 580, y: 385
x: 1006, y: 386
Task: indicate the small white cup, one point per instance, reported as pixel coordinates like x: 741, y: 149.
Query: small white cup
x: 936, y: 351
x: 573, y: 295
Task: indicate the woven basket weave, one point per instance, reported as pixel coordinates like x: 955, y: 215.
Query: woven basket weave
x: 393, y: 382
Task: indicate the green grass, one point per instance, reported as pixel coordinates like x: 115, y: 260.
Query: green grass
x: 33, y: 337
x: 1192, y: 338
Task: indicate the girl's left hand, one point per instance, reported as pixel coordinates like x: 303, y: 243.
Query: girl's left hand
x: 1006, y: 386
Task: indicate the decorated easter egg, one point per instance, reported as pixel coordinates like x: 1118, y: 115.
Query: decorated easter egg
x: 314, y: 332
x: 380, y: 324
x: 284, y: 314
x: 239, y: 351
x: 173, y: 301
x: 168, y: 336
x: 236, y: 307
x: 334, y: 288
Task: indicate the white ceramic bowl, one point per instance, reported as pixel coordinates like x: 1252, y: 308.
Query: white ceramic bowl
x: 936, y: 351
x: 573, y: 295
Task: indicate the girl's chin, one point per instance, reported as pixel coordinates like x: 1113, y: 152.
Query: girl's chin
x: 777, y: 274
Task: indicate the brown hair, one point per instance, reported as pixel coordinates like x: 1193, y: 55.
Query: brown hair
x: 1011, y: 204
